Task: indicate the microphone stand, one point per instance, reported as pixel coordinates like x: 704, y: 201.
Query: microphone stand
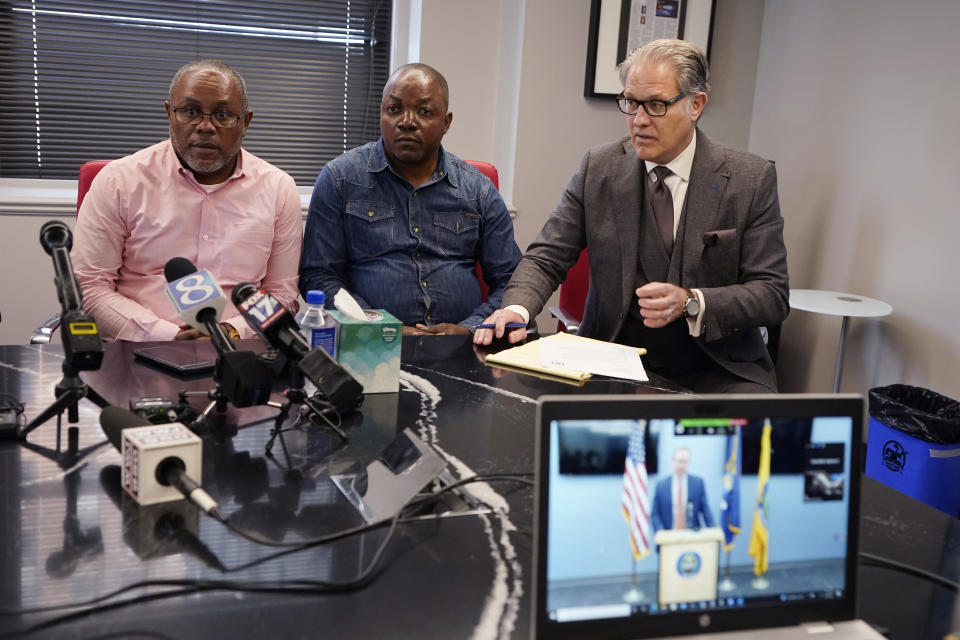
x: 82, y: 349
x: 310, y: 408
x: 68, y: 391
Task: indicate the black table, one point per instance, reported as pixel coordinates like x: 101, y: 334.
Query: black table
x: 70, y: 535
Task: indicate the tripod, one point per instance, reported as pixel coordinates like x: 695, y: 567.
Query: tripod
x: 218, y: 401
x: 312, y: 407
x: 69, y: 391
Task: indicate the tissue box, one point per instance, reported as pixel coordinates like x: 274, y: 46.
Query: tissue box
x: 370, y: 349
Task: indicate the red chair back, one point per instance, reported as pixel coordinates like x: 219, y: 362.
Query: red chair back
x: 490, y: 171
x: 573, y: 292
x: 87, y: 172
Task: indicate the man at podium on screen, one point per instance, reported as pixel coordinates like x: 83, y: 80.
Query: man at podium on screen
x: 680, y: 500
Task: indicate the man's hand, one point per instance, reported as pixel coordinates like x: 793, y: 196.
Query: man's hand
x: 188, y: 333
x: 661, y: 303
x: 500, y: 318
x: 442, y: 329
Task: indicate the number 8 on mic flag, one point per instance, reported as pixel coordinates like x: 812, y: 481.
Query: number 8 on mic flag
x: 193, y: 293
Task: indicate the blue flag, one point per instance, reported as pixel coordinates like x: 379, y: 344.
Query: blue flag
x: 730, y: 506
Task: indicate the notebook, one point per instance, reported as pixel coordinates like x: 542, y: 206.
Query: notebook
x: 697, y: 515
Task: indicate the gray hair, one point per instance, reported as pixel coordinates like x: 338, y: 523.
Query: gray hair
x: 689, y: 63
x: 209, y: 64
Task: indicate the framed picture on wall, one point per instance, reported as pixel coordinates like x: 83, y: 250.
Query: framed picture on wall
x: 617, y: 27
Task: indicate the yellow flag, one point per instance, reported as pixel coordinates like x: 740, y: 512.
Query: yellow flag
x: 759, y: 535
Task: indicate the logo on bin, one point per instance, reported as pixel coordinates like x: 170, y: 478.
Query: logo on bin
x: 894, y: 456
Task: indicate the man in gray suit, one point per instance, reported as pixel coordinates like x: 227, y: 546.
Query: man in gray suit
x: 684, y: 235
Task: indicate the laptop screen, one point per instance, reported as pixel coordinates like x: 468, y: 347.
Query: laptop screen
x: 667, y: 515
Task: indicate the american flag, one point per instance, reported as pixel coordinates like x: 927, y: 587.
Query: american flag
x: 635, y: 503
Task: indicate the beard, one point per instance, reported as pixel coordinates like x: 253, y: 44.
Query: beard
x: 190, y: 156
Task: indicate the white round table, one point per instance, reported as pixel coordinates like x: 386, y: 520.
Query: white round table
x: 835, y: 303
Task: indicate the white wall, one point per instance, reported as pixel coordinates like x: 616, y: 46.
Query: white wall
x: 26, y: 285
x: 856, y: 101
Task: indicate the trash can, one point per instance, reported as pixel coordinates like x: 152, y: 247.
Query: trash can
x: 913, y: 444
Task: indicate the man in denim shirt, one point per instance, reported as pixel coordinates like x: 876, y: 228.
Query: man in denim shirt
x: 401, y: 223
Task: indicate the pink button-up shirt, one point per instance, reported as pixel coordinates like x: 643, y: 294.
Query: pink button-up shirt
x: 144, y: 209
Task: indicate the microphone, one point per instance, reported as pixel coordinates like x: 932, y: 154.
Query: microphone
x: 57, y: 240
x: 270, y: 319
x: 82, y: 348
x: 158, y: 460
x: 692, y: 522
x: 199, y: 301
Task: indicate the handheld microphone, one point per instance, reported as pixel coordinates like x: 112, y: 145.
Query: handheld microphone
x: 199, y: 301
x: 82, y: 348
x: 270, y: 319
x: 158, y: 460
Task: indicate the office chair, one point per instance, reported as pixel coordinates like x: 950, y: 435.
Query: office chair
x: 88, y: 170
x: 573, y: 296
x: 490, y: 171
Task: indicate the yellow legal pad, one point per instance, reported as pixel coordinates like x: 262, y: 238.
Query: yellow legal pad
x: 526, y: 359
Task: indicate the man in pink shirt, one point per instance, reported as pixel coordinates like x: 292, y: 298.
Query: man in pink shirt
x: 198, y: 195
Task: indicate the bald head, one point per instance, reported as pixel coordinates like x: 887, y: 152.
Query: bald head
x: 428, y: 73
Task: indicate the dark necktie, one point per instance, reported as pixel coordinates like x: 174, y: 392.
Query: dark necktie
x: 661, y: 201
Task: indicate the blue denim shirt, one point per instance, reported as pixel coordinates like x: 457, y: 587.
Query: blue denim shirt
x: 409, y: 251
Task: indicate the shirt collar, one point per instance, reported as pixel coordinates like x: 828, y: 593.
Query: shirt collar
x: 682, y: 164
x: 378, y: 162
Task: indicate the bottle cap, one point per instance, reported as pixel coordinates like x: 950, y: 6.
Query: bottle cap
x: 316, y: 297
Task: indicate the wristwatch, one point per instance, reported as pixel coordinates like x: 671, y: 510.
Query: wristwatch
x: 691, y: 307
x: 232, y: 333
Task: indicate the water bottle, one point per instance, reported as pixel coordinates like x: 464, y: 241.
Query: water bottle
x: 317, y: 327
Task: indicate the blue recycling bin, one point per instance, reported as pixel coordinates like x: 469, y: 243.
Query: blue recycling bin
x: 927, y: 471
x: 913, y: 444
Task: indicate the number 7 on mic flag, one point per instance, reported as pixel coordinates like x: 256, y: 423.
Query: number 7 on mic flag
x: 634, y: 502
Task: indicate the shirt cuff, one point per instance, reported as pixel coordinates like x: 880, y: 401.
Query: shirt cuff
x: 520, y: 311
x: 165, y: 332
x: 696, y: 323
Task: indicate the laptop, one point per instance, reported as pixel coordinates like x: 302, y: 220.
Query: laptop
x: 647, y: 520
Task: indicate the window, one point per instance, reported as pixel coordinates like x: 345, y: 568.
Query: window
x: 83, y: 80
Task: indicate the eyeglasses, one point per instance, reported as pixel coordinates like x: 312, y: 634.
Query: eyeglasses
x: 654, y: 108
x: 192, y: 115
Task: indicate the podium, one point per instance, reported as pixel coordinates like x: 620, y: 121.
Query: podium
x: 689, y: 563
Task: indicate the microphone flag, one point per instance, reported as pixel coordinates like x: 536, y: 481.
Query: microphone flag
x: 192, y: 294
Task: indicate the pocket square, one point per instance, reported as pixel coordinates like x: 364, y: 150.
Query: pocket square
x: 712, y: 238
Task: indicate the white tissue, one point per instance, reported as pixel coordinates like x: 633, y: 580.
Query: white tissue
x: 346, y: 304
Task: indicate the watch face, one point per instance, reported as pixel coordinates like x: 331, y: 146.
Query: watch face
x: 692, y: 307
